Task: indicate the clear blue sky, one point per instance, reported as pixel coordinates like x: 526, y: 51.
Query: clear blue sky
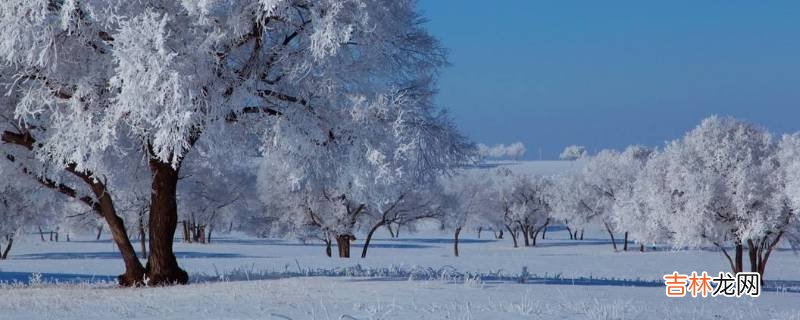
x: 607, y: 74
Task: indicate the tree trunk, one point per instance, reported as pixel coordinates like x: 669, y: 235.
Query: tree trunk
x: 581, y: 234
x: 142, y: 235
x: 10, y: 239
x: 195, y: 233
x: 369, y: 238
x: 753, y: 254
x: 760, y: 252
x: 641, y: 247
x: 570, y: 232
x: 500, y: 237
x: 328, y: 250
x: 208, y: 236
x: 625, y: 247
x: 186, y: 236
x: 99, y: 232
x: 544, y: 229
x: 479, y: 232
x: 513, y: 236
x: 613, y: 241
x: 526, y: 235
x: 41, y: 233
x: 343, y: 243
x: 739, y: 259
x: 391, y: 231
x: 134, y: 272
x: 455, y: 241
x: 162, y: 266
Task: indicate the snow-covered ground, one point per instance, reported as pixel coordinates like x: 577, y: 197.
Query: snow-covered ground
x: 568, y: 280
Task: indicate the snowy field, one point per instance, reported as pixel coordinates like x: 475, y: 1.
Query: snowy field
x: 415, y: 276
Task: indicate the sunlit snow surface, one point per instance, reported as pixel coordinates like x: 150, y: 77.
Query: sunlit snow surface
x: 414, y: 277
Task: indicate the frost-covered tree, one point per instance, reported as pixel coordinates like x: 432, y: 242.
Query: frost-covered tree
x: 525, y: 202
x: 789, y: 156
x: 378, y: 153
x: 466, y: 196
x: 15, y: 207
x: 606, y: 177
x: 573, y: 152
x: 726, y: 182
x: 162, y: 75
x: 640, y: 210
x: 573, y: 202
x: 412, y: 205
x: 215, y: 192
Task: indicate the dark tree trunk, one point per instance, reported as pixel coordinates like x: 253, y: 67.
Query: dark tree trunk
x: 625, y: 246
x: 455, y: 241
x: 581, y: 234
x: 142, y: 235
x: 10, y: 239
x: 526, y: 236
x: 328, y: 244
x: 570, y: 232
x: 208, y: 236
x: 41, y: 234
x: 753, y: 254
x: 611, y: 234
x: 201, y: 231
x: 500, y: 237
x: 739, y: 258
x: 99, y: 233
x: 391, y: 231
x: 513, y: 236
x: 162, y: 266
x: 479, y: 232
x: 369, y: 238
x: 103, y: 206
x: 134, y: 272
x: 766, y: 252
x: 343, y: 243
x: 641, y: 247
x: 544, y: 231
x: 759, y: 253
x: 186, y: 236
x: 195, y: 232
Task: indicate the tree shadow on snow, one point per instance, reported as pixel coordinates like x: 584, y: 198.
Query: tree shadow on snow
x: 116, y: 255
x: 437, y: 240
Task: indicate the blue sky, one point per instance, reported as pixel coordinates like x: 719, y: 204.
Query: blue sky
x: 607, y: 74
